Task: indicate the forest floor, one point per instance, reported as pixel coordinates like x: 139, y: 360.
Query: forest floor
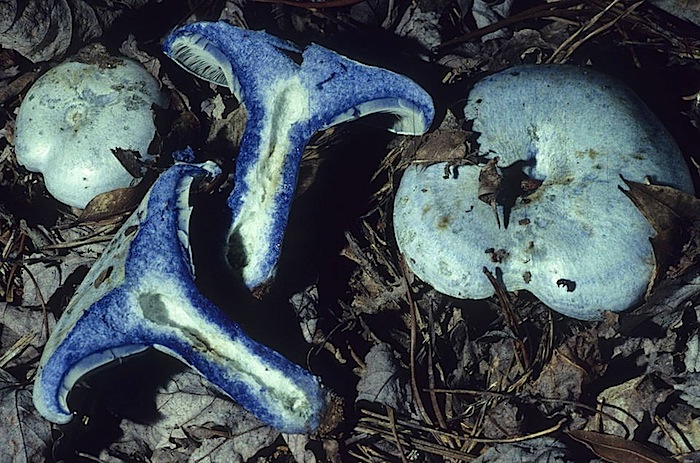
x: 420, y: 376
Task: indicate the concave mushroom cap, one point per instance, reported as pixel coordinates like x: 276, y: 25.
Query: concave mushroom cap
x: 577, y: 242
x: 289, y: 94
x: 141, y: 293
x: 75, y: 115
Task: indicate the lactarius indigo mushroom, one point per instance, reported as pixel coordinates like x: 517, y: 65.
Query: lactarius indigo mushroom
x: 570, y: 237
x: 141, y: 293
x: 289, y: 94
x: 76, y: 115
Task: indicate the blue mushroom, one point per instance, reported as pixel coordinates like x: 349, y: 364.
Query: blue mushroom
x: 289, y: 94
x: 575, y: 240
x: 77, y: 115
x: 141, y: 293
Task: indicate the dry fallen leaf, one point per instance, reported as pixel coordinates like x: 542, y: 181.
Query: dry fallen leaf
x: 184, y: 129
x: 18, y: 323
x: 442, y: 145
x: 297, y: 444
x: 130, y: 160
x: 372, y: 290
x: 690, y: 390
x: 679, y: 431
x: 42, y: 30
x: 663, y: 206
x: 503, y: 420
x: 616, y: 449
x: 669, y: 211
x: 629, y: 404
x: 226, y: 129
x: 541, y: 449
x: 490, y: 186
x: 26, y: 435
x: 382, y: 380
x: 115, y: 202
x: 688, y: 10
x: 305, y: 305
x: 196, y: 425
x: 42, y: 277
x: 561, y: 378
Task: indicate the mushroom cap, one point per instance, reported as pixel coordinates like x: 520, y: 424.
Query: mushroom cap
x: 331, y: 88
x: 577, y: 242
x: 75, y: 115
x: 289, y: 94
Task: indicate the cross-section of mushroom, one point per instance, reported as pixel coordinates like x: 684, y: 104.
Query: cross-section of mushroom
x: 141, y: 293
x: 569, y: 235
x: 289, y: 94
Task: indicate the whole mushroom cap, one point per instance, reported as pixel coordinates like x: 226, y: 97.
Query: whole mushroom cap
x: 75, y: 115
x: 576, y: 242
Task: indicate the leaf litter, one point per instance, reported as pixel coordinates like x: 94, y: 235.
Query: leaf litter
x: 423, y: 377
x: 196, y: 426
x: 25, y: 435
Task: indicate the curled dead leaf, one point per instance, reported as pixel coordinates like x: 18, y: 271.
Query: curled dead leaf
x: 616, y: 449
x: 442, y: 145
x: 115, y: 202
x: 129, y: 159
x: 664, y: 207
x: 184, y: 128
x: 671, y: 212
x: 490, y: 186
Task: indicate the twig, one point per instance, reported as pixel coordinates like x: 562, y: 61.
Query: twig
x: 431, y: 372
x: 376, y: 423
x: 395, y: 433
x: 18, y: 245
x: 507, y: 395
x: 412, y: 349
x: 16, y: 349
x: 76, y: 243
x: 540, y: 11
x: 314, y: 5
x: 570, y: 46
x: 511, y: 320
x: 44, y: 312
